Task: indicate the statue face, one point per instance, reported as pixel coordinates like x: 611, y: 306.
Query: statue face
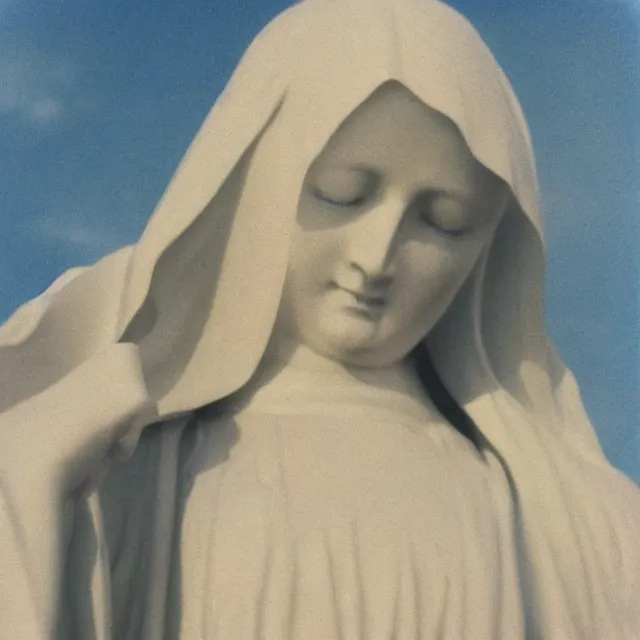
x: 392, y: 218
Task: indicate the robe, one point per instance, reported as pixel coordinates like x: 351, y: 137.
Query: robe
x: 314, y: 519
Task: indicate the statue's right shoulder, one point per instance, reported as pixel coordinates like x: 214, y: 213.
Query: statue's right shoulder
x: 23, y: 321
x: 75, y: 318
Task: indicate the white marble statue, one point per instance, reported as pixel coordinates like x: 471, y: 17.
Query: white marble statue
x: 317, y: 400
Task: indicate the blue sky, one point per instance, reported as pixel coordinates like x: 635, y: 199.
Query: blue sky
x: 98, y: 101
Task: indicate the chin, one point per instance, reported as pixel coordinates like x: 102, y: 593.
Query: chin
x: 357, y: 343
x: 363, y: 356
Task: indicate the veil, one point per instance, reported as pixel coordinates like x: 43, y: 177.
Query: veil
x: 198, y: 294
x: 179, y: 292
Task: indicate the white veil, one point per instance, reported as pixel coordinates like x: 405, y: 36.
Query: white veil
x: 199, y: 292
x: 193, y: 253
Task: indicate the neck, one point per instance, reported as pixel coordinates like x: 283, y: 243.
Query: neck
x: 301, y: 371
x: 294, y: 356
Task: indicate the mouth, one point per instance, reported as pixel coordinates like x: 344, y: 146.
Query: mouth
x: 367, y: 300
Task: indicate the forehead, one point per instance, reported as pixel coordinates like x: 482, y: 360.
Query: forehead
x: 393, y: 132
x: 394, y: 105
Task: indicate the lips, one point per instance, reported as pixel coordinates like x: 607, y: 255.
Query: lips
x: 367, y: 299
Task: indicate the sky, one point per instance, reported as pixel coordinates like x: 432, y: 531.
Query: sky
x: 99, y: 100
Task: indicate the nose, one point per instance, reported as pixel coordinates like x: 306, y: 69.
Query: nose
x: 375, y: 241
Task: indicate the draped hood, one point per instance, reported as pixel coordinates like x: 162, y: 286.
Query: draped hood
x: 199, y: 292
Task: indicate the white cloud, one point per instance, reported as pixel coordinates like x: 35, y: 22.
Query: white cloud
x: 34, y: 86
x: 46, y: 109
x: 81, y: 234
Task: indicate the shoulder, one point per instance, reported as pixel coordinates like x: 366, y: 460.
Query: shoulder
x: 25, y: 320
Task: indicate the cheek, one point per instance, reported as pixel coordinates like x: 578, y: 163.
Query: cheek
x: 315, y: 256
x: 311, y: 269
x: 432, y: 277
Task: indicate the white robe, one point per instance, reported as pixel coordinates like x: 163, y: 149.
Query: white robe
x: 323, y: 520
x: 319, y: 526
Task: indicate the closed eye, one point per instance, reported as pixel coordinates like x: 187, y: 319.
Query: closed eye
x: 450, y: 233
x: 338, y: 202
x: 443, y: 214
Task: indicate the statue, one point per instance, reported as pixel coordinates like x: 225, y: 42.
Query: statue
x: 317, y: 398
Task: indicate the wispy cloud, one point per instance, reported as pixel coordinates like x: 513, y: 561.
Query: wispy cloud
x: 78, y: 234
x: 34, y: 86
